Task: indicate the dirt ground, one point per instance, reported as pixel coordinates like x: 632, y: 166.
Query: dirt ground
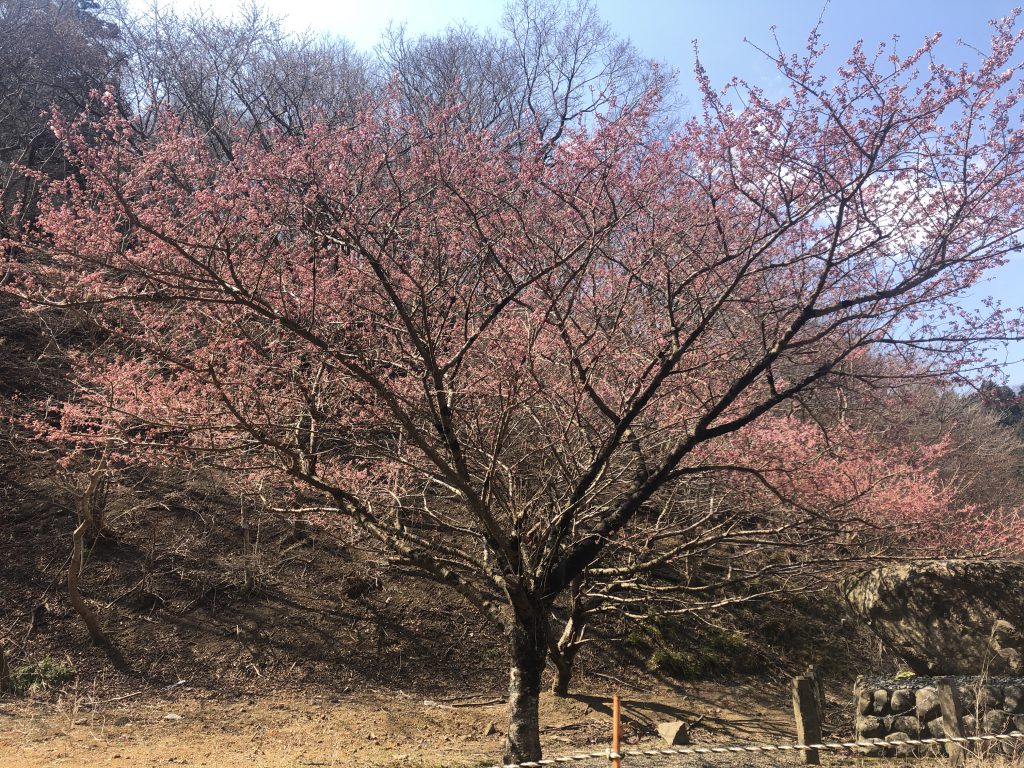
x: 182, y: 728
x: 335, y: 658
x: 378, y: 729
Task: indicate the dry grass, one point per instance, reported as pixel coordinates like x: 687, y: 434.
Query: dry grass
x: 989, y: 758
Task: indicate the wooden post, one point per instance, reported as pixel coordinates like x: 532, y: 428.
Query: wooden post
x: 820, y: 680
x: 6, y: 686
x: 952, y: 718
x: 616, y: 728
x: 819, y: 688
x: 808, y: 720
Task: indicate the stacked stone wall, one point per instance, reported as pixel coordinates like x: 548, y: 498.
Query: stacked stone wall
x: 898, y: 709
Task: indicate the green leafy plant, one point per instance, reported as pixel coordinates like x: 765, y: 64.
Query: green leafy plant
x: 45, y: 674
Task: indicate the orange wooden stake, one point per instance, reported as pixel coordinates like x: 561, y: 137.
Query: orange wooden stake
x: 616, y: 720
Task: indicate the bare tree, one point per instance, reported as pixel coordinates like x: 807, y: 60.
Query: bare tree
x: 239, y: 76
x: 461, y: 68
x: 553, y: 64
x: 572, y: 64
x: 52, y: 53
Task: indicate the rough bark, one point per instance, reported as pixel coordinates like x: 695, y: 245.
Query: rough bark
x: 90, y: 504
x: 563, y: 675
x: 529, y: 653
x: 74, y: 571
x: 564, y: 655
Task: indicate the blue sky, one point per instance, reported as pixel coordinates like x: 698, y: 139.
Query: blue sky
x: 664, y: 30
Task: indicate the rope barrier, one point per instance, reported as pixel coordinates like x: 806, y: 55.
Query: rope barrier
x: 607, y: 754
x: 734, y: 749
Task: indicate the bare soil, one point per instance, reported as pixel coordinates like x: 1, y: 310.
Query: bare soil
x: 183, y: 728
x: 168, y: 585
x: 389, y: 729
x: 332, y: 657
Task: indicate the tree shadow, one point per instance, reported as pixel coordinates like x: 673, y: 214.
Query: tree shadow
x: 735, y: 717
x: 646, y: 713
x: 119, y: 662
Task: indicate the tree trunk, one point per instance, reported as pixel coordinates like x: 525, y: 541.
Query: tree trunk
x: 301, y: 531
x: 74, y: 570
x: 90, y: 504
x: 6, y: 686
x: 563, y: 671
x: 529, y: 653
x: 563, y: 655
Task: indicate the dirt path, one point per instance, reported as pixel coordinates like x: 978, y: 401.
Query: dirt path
x: 364, y: 729
x: 369, y: 729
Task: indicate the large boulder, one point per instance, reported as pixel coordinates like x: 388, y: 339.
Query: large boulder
x: 946, y: 617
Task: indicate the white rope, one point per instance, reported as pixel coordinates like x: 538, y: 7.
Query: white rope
x: 733, y: 749
x: 607, y: 754
x: 825, y: 746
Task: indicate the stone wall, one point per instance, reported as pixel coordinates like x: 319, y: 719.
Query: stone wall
x: 909, y: 708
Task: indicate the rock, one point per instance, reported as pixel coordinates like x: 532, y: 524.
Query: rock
x: 946, y: 617
x: 865, y: 701
x: 995, y: 721
x: 907, y: 724
x: 1013, y: 698
x: 674, y: 732
x: 1006, y: 642
x: 970, y: 725
x: 1008, y: 749
x: 992, y: 696
x: 902, y: 701
x: 982, y: 697
x: 881, y: 702
x: 926, y: 703
x: 902, y: 750
x: 172, y: 716
x: 869, y: 727
x: 490, y: 730
x: 935, y: 728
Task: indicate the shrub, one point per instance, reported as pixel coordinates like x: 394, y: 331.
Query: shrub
x: 43, y: 675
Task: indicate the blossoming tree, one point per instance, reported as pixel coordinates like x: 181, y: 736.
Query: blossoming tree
x: 510, y: 366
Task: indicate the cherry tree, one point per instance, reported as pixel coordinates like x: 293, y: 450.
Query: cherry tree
x: 511, y: 368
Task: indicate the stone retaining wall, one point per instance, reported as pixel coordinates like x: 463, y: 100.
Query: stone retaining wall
x: 909, y: 708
